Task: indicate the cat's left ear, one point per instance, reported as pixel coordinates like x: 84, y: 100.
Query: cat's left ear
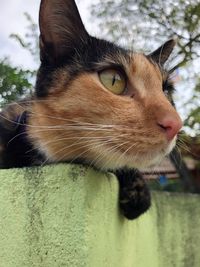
x: 61, y: 30
x: 161, y: 54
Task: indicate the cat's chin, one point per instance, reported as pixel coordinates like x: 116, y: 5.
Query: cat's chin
x: 105, y: 160
x: 141, y: 162
x: 137, y: 161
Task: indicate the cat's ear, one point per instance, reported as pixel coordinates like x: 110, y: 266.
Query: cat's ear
x: 161, y: 54
x: 61, y: 29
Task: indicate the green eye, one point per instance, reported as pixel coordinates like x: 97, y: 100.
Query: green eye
x: 113, y: 80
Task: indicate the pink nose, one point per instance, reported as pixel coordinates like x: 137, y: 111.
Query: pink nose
x: 171, y: 126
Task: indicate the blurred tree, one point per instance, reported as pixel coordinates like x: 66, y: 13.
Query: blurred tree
x: 151, y: 21
x: 30, y: 40
x: 193, y: 120
x: 14, y: 82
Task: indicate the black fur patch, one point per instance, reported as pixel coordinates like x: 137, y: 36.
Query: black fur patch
x: 134, y: 195
x: 18, y: 151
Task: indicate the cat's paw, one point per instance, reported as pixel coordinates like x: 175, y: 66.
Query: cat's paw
x: 134, y: 195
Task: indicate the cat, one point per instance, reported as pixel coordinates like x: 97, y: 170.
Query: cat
x: 95, y: 103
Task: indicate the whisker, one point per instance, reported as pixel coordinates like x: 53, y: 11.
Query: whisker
x: 91, y: 126
x: 12, y: 139
x: 112, y: 150
x: 44, y: 130
x: 97, y: 145
x: 64, y: 126
x: 60, y: 118
x: 89, y: 144
x: 100, y: 138
x: 67, y: 147
x: 126, y: 151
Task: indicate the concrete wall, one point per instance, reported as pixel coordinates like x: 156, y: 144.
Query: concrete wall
x: 67, y: 215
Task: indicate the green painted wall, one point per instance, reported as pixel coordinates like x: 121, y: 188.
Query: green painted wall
x: 67, y: 215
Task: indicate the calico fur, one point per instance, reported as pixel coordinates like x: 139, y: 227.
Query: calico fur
x: 73, y: 118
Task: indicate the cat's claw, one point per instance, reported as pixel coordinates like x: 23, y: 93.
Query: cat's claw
x: 134, y: 195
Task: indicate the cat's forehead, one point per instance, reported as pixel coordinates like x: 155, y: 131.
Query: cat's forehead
x: 136, y: 64
x: 144, y: 67
x: 130, y: 61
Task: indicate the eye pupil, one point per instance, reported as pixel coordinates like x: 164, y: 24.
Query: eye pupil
x: 113, y: 80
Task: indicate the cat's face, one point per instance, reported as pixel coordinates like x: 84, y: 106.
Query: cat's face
x: 99, y: 103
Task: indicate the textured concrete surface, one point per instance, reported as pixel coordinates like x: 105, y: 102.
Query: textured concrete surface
x: 67, y: 215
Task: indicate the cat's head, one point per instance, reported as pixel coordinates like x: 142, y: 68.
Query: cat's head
x: 98, y: 102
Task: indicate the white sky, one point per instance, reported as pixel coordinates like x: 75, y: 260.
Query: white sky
x: 12, y: 20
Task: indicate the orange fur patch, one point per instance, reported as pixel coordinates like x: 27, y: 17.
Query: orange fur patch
x: 85, y: 120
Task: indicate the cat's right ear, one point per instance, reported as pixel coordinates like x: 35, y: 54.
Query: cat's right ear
x: 61, y: 29
x: 161, y: 55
